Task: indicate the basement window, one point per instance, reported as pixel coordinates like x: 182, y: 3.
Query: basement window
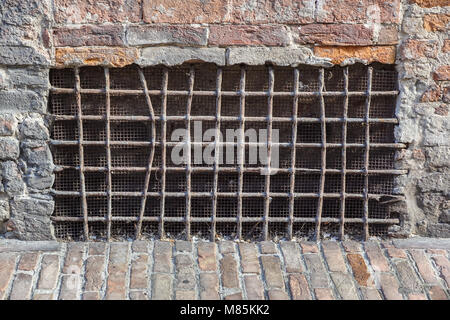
x: 300, y: 152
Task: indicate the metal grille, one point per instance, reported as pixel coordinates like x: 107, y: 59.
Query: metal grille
x: 111, y: 142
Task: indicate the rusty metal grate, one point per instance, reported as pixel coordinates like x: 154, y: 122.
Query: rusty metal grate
x: 116, y: 178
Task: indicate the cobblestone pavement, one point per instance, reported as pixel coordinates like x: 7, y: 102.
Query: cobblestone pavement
x: 412, y: 269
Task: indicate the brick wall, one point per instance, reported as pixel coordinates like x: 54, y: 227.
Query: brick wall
x: 38, y: 35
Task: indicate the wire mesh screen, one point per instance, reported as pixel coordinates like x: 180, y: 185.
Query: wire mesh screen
x: 114, y: 139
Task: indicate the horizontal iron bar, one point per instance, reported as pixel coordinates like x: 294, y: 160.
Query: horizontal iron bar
x: 233, y: 169
x: 223, y: 118
x: 223, y: 219
x: 224, y: 194
x: 119, y: 92
x: 281, y: 144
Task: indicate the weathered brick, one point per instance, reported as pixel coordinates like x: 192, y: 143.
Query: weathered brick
x: 185, y: 272
x: 316, y: 269
x: 277, y: 294
x: 162, y: 286
x: 91, y: 296
x: 190, y: 11
x: 430, y: 3
x: 366, y: 11
x: 441, y: 110
x: 70, y: 285
x: 334, y: 256
x: 234, y: 296
x: 369, y: 54
x: 344, y: 285
x: 416, y: 296
x: 268, y: 247
x: 140, y: 246
x: 184, y: 295
x: 323, y: 294
x: 299, y: 287
x: 415, y: 49
x: 144, y: 35
x: 291, y: 254
x: 249, y: 259
x: 21, y: 287
x: 94, y: 56
x: 360, y: 271
x: 370, y: 294
x: 309, y: 247
x: 432, y: 94
x: 207, y: 256
x: 442, y: 73
x: 437, y: 293
x: 43, y: 296
x: 230, y: 35
x: 227, y: 247
x: 117, y: 271
x: 424, y: 266
x: 183, y: 246
x: 272, y: 272
x: 446, y: 46
x: 28, y: 261
x: 436, y: 21
x: 377, y: 260
x: 209, y: 286
x: 74, y: 258
x: 138, y: 275
x: 49, y: 272
x: 351, y: 246
x: 91, y: 35
x: 267, y: 11
x: 390, y: 287
x: 254, y: 287
x: 162, y: 254
x: 396, y: 253
x: 97, y: 248
x: 443, y: 266
x: 94, y: 273
x: 138, y: 295
x: 228, y: 269
x: 333, y: 34
x: 437, y: 252
x: 89, y: 11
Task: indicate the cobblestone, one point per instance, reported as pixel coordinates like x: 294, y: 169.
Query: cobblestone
x: 163, y: 270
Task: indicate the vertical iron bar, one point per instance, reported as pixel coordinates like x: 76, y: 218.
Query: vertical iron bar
x: 293, y: 155
x: 165, y: 81
x: 323, y: 154
x: 216, y: 152
x: 188, y: 156
x: 241, y: 149
x: 267, y: 198
x: 108, y: 154
x: 152, y: 153
x: 367, y: 151
x: 81, y: 153
x: 344, y: 156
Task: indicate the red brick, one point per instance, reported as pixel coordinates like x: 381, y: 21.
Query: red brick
x: 446, y: 46
x: 269, y: 11
x: 49, y: 272
x: 442, y: 74
x: 229, y: 35
x: 97, y: 11
x: 188, y: 11
x: 254, y: 287
x: 415, y: 49
x: 43, y: 296
x: 339, y: 54
x: 377, y: 259
x: 268, y: 247
x: 416, y: 296
x: 207, y: 256
x: 441, y: 110
x: 334, y: 256
x: 424, y: 266
x: 21, y: 288
x: 396, y: 253
x: 430, y: 3
x: 438, y: 252
x: 272, y: 272
x: 370, y: 294
x: 333, y: 34
x: 249, y: 259
x: 94, y: 273
x: 323, y: 294
x: 378, y: 11
x: 433, y: 94
x: 91, y: 296
x: 437, y: 293
x: 28, y: 261
x: 117, y: 271
x: 309, y: 247
x: 138, y: 276
x: 299, y: 287
x: 443, y: 266
x: 390, y: 287
x: 209, y: 286
x: 446, y: 94
x: 277, y: 295
x: 228, y: 269
x: 92, y: 35
x: 360, y: 271
x: 94, y: 56
x: 436, y: 21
